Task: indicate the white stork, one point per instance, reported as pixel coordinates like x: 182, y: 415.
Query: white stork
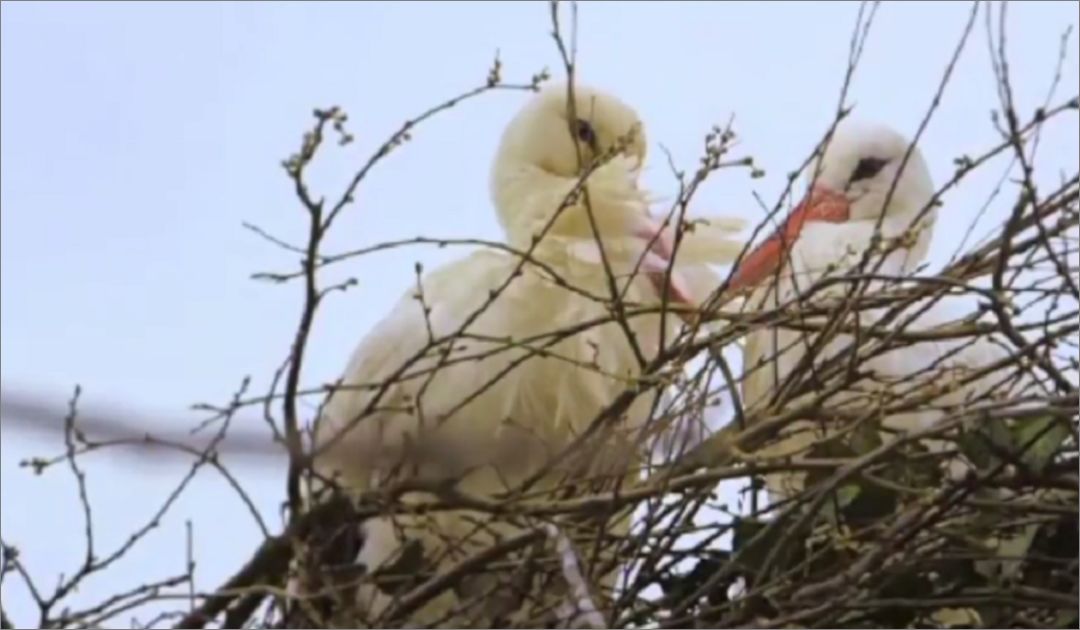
x: 826, y: 235
x: 489, y: 409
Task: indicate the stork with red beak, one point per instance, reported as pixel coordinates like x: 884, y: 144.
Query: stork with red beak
x: 845, y: 207
x: 488, y: 383
x: 865, y: 183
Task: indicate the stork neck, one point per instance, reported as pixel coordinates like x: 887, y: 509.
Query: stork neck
x: 527, y: 198
x: 922, y: 231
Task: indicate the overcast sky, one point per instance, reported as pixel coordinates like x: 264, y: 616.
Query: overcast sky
x: 138, y: 138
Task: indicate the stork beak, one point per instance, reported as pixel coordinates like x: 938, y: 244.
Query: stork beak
x: 657, y: 259
x: 821, y: 204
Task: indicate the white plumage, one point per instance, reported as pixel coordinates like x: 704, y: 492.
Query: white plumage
x: 486, y: 411
x: 827, y: 235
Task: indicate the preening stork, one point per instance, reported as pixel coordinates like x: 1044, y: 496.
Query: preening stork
x: 868, y: 192
x: 501, y: 362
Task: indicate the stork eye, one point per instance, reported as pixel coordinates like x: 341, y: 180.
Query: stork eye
x: 586, y: 133
x: 867, y: 168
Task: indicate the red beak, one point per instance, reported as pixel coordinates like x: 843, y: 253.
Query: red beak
x: 662, y: 245
x: 821, y: 204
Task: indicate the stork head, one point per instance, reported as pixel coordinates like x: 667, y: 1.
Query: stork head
x: 546, y: 149
x: 548, y: 134
x: 860, y: 165
x: 549, y: 146
x: 852, y: 183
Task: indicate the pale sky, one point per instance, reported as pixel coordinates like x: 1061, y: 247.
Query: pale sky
x: 137, y: 138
